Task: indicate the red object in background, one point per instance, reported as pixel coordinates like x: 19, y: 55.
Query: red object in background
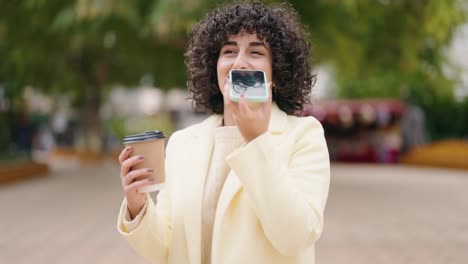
x: 331, y: 107
x: 368, y: 155
x: 361, y: 130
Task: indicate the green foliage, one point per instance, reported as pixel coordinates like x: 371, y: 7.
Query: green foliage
x: 63, y: 46
x: 120, y: 127
x: 5, y: 135
x: 446, y: 118
x: 391, y: 49
x: 380, y: 48
x: 377, y: 48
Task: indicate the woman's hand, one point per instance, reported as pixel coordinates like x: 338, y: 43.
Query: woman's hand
x: 130, y: 183
x: 253, y: 120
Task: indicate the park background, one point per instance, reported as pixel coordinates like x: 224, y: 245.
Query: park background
x: 392, y: 94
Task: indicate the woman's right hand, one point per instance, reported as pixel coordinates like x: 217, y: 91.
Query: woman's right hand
x: 130, y: 183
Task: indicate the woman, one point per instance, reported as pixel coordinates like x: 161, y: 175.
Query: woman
x: 250, y: 183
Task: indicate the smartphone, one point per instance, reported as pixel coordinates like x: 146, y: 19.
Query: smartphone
x: 251, y: 83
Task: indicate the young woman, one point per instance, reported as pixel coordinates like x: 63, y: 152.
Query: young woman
x: 250, y: 183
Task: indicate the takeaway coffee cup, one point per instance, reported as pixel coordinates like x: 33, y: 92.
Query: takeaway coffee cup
x: 150, y: 145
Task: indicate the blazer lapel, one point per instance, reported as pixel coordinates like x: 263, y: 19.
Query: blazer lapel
x: 231, y: 186
x: 198, y: 160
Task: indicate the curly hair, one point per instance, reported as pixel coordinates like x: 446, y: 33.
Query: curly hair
x: 279, y: 26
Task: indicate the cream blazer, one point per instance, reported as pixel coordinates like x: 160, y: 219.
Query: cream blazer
x: 271, y: 206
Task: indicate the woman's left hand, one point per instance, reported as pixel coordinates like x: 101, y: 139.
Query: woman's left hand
x: 252, y: 121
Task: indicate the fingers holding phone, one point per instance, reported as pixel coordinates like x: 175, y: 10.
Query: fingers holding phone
x: 247, y: 97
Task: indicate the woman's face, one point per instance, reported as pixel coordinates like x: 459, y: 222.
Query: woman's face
x: 243, y: 51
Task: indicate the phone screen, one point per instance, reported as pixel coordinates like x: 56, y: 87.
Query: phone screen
x: 250, y: 83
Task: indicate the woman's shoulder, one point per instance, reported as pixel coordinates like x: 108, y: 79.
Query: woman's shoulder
x: 308, y: 122
x: 305, y: 132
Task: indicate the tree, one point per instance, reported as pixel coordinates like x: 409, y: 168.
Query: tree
x: 81, y: 48
x: 391, y: 48
x: 384, y: 47
x: 376, y: 48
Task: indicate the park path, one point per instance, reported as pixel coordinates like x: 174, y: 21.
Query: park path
x: 375, y: 214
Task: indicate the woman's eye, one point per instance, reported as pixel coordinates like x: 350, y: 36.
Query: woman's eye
x: 229, y: 52
x: 256, y: 52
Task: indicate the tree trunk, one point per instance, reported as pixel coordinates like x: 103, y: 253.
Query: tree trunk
x: 92, y: 141
x: 91, y: 120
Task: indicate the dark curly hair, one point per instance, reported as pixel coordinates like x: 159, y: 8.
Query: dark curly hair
x: 279, y: 26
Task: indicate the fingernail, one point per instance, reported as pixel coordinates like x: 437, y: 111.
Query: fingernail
x: 140, y: 157
x: 150, y: 170
x: 127, y: 148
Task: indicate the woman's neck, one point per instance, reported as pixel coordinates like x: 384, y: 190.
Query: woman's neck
x: 227, y: 119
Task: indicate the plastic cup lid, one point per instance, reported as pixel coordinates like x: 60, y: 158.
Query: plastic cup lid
x: 146, y: 136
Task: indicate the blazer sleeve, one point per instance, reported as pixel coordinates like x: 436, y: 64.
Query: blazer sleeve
x: 288, y: 197
x: 152, y: 237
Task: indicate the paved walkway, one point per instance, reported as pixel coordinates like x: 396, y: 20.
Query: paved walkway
x: 374, y: 215
x: 395, y: 215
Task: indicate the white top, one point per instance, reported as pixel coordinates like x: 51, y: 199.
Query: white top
x: 227, y: 139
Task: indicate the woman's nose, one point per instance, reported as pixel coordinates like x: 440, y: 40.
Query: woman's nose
x: 240, y: 63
